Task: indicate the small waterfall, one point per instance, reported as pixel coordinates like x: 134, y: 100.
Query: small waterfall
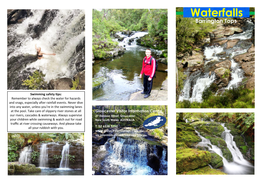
x: 202, y: 82
x: 128, y: 156
x: 43, y: 157
x: 64, y: 163
x: 25, y: 155
x: 130, y: 41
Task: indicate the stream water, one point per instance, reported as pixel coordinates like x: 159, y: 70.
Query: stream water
x: 60, y: 37
x: 122, y: 73
x: 197, y: 81
x: 239, y: 165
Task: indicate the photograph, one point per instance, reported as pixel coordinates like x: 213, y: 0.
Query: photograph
x: 129, y: 140
x: 215, y: 143
x: 45, y: 153
x: 45, y: 49
x: 215, y: 60
x: 129, y: 54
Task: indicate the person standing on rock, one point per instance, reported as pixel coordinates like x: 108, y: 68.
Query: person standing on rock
x: 40, y: 54
x: 148, y: 69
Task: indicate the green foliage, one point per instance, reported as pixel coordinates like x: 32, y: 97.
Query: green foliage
x: 189, y: 33
x: 34, y: 156
x: 233, y: 98
x: 12, y: 152
x: 36, y: 81
x: 57, y: 157
x: 76, y: 85
x: 71, y: 158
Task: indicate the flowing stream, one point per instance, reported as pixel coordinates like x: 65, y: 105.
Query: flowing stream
x: 61, y: 37
x: 196, y: 82
x: 122, y: 73
x: 239, y: 165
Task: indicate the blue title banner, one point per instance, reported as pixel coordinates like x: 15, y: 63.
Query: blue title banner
x: 216, y: 12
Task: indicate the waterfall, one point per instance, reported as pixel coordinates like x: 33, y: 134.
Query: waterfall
x: 197, y: 81
x: 43, y: 157
x: 128, y: 156
x: 25, y: 155
x: 239, y: 164
x: 64, y: 163
x: 61, y: 37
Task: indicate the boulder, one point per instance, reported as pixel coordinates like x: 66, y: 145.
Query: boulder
x: 189, y: 159
x: 60, y: 84
x: 153, y: 162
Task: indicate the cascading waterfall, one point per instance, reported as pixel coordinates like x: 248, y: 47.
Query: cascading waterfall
x: 129, y: 157
x: 64, y: 163
x: 61, y: 37
x: 25, y: 155
x: 194, y: 87
x: 43, y: 157
x: 239, y: 164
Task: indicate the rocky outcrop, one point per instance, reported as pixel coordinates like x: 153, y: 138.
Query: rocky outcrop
x: 14, y: 67
x: 17, y: 16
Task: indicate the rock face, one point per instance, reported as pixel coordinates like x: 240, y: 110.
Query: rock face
x: 14, y: 67
x: 54, y: 155
x: 60, y: 84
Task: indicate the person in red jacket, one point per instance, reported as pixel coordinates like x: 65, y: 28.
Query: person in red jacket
x: 148, y: 69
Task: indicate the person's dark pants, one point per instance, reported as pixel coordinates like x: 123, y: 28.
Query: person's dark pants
x: 147, y: 84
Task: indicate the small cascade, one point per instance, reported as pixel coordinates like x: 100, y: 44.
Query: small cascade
x: 43, y: 157
x: 25, y: 155
x: 128, y: 156
x: 198, y: 80
x: 64, y: 163
x: 130, y: 41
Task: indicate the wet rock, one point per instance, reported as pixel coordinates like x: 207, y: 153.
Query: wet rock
x: 46, y: 20
x: 80, y: 77
x: 154, y: 162
x: 17, y: 16
x: 231, y: 43
x: 60, y: 84
x: 14, y: 67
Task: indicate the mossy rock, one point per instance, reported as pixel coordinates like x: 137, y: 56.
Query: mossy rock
x: 189, y: 159
x: 216, y: 160
x: 96, y: 82
x: 204, y: 171
x: 26, y: 169
x: 210, y: 128
x: 181, y: 145
x: 186, y: 133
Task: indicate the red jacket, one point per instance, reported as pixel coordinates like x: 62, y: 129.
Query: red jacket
x: 147, y: 68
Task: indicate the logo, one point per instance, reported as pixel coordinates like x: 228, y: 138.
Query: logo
x: 154, y: 122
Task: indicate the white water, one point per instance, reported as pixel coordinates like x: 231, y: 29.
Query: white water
x: 43, y: 157
x: 59, y: 38
x: 25, y: 155
x: 64, y: 163
x: 135, y: 36
x: 211, y: 52
x: 197, y: 90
